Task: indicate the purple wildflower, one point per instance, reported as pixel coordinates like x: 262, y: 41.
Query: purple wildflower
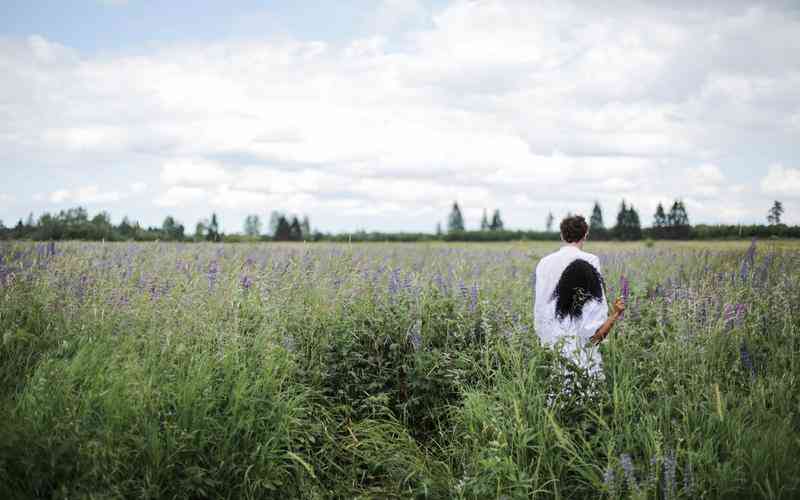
x: 688, y: 480
x: 246, y: 282
x: 213, y: 272
x: 748, y: 261
x: 670, y: 464
x: 464, y: 290
x: 610, y: 481
x: 288, y: 343
x: 747, y: 361
x: 630, y: 473
x: 414, y: 335
x: 394, y: 282
x: 473, y: 303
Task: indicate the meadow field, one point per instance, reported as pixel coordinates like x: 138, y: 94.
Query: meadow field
x: 164, y: 370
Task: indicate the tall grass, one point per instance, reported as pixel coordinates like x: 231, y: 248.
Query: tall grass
x: 391, y: 371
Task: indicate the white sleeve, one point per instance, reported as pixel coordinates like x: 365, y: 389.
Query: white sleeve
x: 539, y: 298
x: 595, y: 313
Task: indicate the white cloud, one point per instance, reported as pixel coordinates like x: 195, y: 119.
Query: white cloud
x: 781, y: 180
x: 59, y: 196
x: 138, y: 187
x: 193, y: 173
x: 84, y: 195
x: 177, y: 196
x: 507, y: 104
x: 6, y: 198
x: 705, y: 181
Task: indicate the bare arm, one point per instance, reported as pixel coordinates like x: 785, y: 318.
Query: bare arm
x: 605, y: 328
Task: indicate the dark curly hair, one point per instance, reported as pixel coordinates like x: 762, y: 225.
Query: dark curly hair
x: 574, y: 228
x: 579, y: 283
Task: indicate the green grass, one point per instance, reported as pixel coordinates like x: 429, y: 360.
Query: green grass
x: 391, y: 371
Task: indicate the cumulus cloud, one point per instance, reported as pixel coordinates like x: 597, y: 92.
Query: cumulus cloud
x: 512, y: 104
x: 84, y: 195
x: 138, y: 187
x: 781, y: 181
x: 177, y: 196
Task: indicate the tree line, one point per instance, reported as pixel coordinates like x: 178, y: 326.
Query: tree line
x: 76, y: 224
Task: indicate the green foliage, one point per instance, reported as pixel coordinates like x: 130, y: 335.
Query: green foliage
x: 455, y: 222
x: 628, y: 226
x: 390, y: 371
x: 775, y: 213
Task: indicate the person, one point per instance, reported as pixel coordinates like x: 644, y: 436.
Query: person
x: 570, y: 302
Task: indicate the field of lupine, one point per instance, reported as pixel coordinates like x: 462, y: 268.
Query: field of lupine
x: 392, y: 371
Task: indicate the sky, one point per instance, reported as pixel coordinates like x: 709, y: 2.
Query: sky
x: 377, y: 115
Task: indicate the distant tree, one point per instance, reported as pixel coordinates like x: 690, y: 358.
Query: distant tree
x: 30, y: 223
x: 125, y: 229
x: 305, y: 227
x: 677, y: 214
x: 497, y: 222
x: 775, y: 213
x: 282, y: 230
x: 455, y: 222
x: 100, y: 227
x: 677, y: 222
x: 212, y: 230
x: 200, y: 230
x: 549, y: 222
x: 295, y: 232
x: 252, y: 225
x: 659, y: 218
x: 596, y: 220
x: 484, y: 221
x: 172, y: 230
x: 628, y: 226
x: 438, y: 229
x: 633, y: 224
x: 274, y: 219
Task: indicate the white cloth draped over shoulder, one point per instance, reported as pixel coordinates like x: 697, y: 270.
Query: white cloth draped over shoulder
x: 575, y: 333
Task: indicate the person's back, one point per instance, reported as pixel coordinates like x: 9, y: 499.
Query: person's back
x: 570, y: 302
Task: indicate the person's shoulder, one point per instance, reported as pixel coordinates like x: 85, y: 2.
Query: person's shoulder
x: 546, y: 259
x: 590, y: 258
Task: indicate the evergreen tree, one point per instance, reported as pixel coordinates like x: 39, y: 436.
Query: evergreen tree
x: 775, y: 213
x: 305, y: 227
x: 619, y: 229
x: 200, y: 230
x: 660, y: 229
x: 282, y: 229
x: 212, y: 229
x: 659, y: 218
x: 596, y: 220
x: 438, y: 229
x: 678, y: 221
x: 274, y: 219
x: 548, y: 223
x: 252, y: 225
x: 628, y: 226
x: 497, y: 222
x: 633, y: 225
x: 295, y: 232
x: 455, y: 222
x: 172, y: 229
x: 484, y: 221
x: 125, y: 228
x: 677, y: 214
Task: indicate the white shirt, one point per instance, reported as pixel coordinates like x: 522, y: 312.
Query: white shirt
x: 576, y: 333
